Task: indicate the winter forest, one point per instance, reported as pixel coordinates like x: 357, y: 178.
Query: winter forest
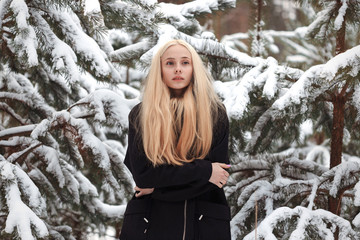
x: 70, y: 74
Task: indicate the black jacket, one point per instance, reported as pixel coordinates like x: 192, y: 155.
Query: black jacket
x: 184, y: 204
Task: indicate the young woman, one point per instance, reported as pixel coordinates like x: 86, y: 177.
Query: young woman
x: 178, y: 153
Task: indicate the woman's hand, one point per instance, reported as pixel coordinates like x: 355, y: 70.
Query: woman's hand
x: 142, y: 191
x: 219, y: 175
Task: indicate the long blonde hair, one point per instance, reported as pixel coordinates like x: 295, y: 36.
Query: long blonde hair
x: 177, y: 130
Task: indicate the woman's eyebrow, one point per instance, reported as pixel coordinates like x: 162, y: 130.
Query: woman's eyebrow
x: 174, y: 58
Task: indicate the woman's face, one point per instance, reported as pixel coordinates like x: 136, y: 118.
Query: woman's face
x: 176, y: 69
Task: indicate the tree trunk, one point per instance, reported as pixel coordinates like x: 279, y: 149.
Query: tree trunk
x: 337, y: 131
x: 258, y: 21
x: 217, y: 24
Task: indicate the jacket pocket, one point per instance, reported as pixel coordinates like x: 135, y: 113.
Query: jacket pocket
x: 136, y: 222
x: 213, y: 221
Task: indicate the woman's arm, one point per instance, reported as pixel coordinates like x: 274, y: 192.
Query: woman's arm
x: 196, y: 188
x: 218, y: 154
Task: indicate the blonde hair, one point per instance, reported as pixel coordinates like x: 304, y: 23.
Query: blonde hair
x: 177, y: 130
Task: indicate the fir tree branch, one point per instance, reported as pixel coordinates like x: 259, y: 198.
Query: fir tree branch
x: 20, y: 156
x: 6, y: 108
x: 17, y: 131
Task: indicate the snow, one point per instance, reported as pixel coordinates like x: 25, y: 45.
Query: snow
x: 247, y: 200
x: 21, y: 89
x: 36, y: 201
x: 357, y: 194
x: 299, y: 90
x: 20, y: 215
x: 318, y: 27
x: 319, y: 154
x: 110, y: 210
x: 203, y: 6
x: 304, y: 216
x: 356, y: 220
x: 325, y: 72
x: 97, y: 111
x: 63, y: 56
x: 340, y: 17
x: 296, y: 59
x: 105, y: 101
x: 306, y: 129
x: 342, y: 172
x: 270, y: 77
x: 91, y: 5
x: 234, y: 41
x: 85, y: 46
x: 236, y: 93
x: 121, y: 53
x: 341, y: 62
x: 51, y: 157
x: 27, y: 40
x: 3, y: 6
x: 17, y: 130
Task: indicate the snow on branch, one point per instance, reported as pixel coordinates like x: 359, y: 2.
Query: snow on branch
x: 182, y: 16
x: 308, y: 165
x: 63, y: 56
x: 341, y: 177
x: 24, y: 218
x: 106, y: 106
x: 207, y: 47
x: 27, y: 100
x: 283, y: 179
x: 133, y: 51
x: 341, y: 15
x: 51, y: 158
x: 17, y: 131
x: 135, y: 15
x: 251, y: 165
x: 346, y: 63
x: 91, y: 147
x: 355, y: 100
x: 265, y: 74
x: 117, y: 157
x: 20, y: 89
x: 25, y: 40
x: 248, y: 199
x: 315, y: 82
x: 110, y: 211
x: 318, y: 28
x: 6, y: 108
x: 196, y: 7
x: 304, y: 217
x: 75, y: 128
x: 301, y: 90
x: 85, y: 46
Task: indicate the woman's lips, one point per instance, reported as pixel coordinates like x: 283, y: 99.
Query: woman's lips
x: 177, y: 78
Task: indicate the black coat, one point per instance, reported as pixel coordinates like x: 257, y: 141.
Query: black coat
x: 184, y: 204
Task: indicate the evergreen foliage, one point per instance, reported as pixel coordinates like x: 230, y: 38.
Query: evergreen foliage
x: 69, y: 77
x: 64, y: 106
x: 291, y: 179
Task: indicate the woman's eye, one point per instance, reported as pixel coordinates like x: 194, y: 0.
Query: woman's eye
x: 169, y: 63
x: 186, y: 62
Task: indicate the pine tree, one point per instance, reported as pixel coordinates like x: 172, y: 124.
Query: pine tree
x: 278, y: 174
x: 64, y: 106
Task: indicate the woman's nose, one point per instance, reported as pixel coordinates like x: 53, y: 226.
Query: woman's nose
x: 177, y: 69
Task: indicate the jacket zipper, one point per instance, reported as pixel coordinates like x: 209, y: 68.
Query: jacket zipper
x: 185, y: 207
